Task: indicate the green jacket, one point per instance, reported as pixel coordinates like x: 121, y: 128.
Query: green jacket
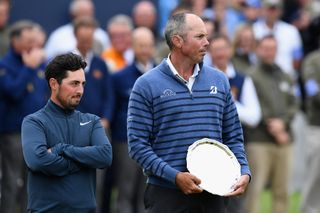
x: 311, y: 77
x: 275, y: 90
x: 241, y: 63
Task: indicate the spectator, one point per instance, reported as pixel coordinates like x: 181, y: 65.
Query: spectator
x: 41, y: 36
x: 129, y: 179
x: 310, y: 189
x: 63, y: 147
x: 252, y: 11
x: 244, y: 43
x: 97, y: 76
x: 269, y: 144
x: 170, y: 107
x: 98, y: 88
x: 4, y: 28
x: 62, y: 40
x: 23, y: 91
x: 144, y: 14
x: 289, y: 51
x: 288, y: 57
x: 120, y: 53
x: 242, y: 88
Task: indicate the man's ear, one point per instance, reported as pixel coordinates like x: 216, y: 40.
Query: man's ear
x: 177, y: 41
x: 53, y: 84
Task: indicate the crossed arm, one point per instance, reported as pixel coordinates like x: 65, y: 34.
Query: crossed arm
x: 62, y: 159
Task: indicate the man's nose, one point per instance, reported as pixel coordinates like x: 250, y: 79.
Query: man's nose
x: 80, y: 89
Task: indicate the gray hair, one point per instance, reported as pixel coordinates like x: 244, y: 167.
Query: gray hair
x: 19, y: 26
x: 175, y: 26
x: 120, y: 19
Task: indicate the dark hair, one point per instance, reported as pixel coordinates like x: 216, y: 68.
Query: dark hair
x: 61, y: 64
x: 175, y: 26
x: 19, y: 26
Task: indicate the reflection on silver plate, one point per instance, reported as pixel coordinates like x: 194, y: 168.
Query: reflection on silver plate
x: 214, y: 164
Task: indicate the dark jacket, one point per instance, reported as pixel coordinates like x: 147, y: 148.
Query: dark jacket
x: 65, y: 179
x: 275, y: 90
x: 98, y: 90
x: 23, y: 90
x: 123, y: 82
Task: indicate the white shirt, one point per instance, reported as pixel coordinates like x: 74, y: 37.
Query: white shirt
x: 62, y: 40
x: 248, y: 106
x: 191, y: 79
x: 288, y: 41
x: 144, y: 68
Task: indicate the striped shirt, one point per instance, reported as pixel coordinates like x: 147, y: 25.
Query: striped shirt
x: 165, y: 117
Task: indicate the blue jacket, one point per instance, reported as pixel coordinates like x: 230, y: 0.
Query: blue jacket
x: 98, y: 90
x: 123, y: 82
x: 65, y: 179
x: 236, y: 82
x: 165, y: 118
x: 23, y: 90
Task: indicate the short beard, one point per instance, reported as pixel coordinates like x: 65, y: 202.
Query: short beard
x: 65, y: 104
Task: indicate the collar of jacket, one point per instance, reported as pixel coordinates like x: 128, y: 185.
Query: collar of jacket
x: 53, y: 107
x: 269, y: 67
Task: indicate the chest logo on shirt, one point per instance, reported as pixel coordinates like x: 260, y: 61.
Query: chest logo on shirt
x: 30, y: 87
x: 97, y: 74
x: 213, y: 90
x: 168, y: 93
x: 84, y: 123
x: 40, y: 74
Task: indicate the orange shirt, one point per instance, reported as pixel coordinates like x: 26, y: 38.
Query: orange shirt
x: 114, y: 60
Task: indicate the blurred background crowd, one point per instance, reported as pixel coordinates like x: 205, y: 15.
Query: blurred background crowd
x: 268, y: 49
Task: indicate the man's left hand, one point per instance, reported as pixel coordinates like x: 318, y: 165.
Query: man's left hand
x: 240, y: 186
